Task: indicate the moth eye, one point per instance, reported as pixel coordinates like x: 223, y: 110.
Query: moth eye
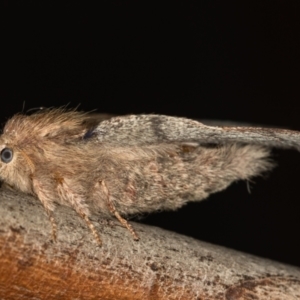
x: 7, y: 155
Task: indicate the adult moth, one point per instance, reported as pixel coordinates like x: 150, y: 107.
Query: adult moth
x: 129, y: 165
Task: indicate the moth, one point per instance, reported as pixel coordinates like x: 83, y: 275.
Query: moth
x: 129, y: 165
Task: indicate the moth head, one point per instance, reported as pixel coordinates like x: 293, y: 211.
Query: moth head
x: 31, y: 142
x: 15, y: 166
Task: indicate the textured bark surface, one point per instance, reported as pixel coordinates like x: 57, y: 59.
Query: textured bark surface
x: 162, y: 265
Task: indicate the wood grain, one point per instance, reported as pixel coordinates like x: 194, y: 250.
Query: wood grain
x: 162, y: 265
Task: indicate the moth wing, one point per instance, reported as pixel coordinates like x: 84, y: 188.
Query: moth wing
x: 138, y: 130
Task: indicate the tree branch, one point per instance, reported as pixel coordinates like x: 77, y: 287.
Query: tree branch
x: 162, y: 265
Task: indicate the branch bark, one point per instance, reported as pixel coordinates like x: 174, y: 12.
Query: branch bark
x: 162, y: 265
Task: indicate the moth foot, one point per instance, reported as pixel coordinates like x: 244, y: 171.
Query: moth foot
x: 53, y: 225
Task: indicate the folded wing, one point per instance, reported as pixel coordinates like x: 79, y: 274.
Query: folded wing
x: 151, y: 129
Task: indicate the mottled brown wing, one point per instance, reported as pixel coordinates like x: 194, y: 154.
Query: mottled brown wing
x: 151, y: 129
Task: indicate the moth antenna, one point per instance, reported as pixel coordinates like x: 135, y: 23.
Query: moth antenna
x: 113, y: 210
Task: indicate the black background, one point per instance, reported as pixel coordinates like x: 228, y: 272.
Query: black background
x: 199, y: 59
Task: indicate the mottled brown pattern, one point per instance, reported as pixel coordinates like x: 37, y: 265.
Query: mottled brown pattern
x: 129, y: 165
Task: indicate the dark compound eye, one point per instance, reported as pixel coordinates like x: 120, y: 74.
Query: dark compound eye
x: 7, y: 155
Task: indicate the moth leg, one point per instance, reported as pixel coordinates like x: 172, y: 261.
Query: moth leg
x: 78, y: 203
x: 91, y: 226
x: 48, y: 206
x: 113, y: 210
